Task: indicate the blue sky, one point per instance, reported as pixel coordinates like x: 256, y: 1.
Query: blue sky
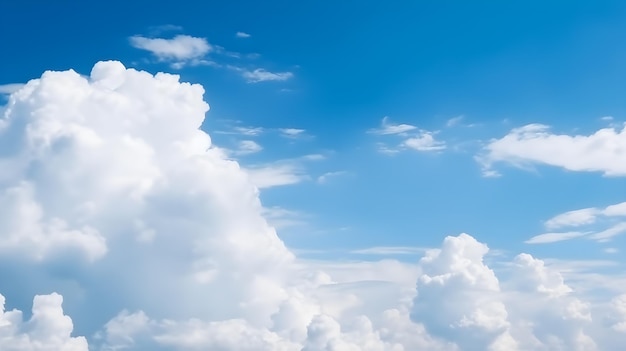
x: 374, y: 130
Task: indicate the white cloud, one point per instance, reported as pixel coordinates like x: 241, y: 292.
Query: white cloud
x: 262, y: 75
x: 120, y: 151
x: 10, y: 88
x: 573, y: 218
x: 388, y: 128
x: 602, y: 219
x: 180, y: 50
x: 324, y: 178
x: 610, y: 232
x: 273, y: 175
x: 247, y: 147
x: 603, y: 151
x: 424, y: 142
x: 458, y: 295
x: 454, y: 121
x: 291, y: 133
x: 47, y: 330
x: 242, y: 35
x: 554, y: 237
x: 414, y: 138
x: 247, y: 131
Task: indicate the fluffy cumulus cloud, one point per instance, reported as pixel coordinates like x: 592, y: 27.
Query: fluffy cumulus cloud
x: 113, y: 198
x: 603, y: 151
x: 47, y: 330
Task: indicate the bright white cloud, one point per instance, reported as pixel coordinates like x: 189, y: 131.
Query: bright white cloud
x: 242, y: 35
x: 424, y: 142
x: 262, y: 75
x: 603, y: 151
x: 47, y: 330
x: 388, y: 128
x: 276, y: 175
x: 99, y: 161
x: 180, y: 50
x: 573, y: 218
x: 458, y: 295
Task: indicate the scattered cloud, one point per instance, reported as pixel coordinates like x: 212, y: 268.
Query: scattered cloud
x: 388, y: 128
x: 573, y: 218
x: 247, y: 147
x: 591, y: 218
x: 247, y: 131
x: 603, y: 151
x: 454, y: 121
x: 8, y: 89
x: 609, y: 233
x: 424, y: 142
x: 242, y: 35
x: 279, y: 174
x: 262, y: 75
x: 326, y: 177
x: 414, y: 138
x: 554, y: 237
x: 291, y: 133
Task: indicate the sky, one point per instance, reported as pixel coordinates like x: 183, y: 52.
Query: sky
x: 312, y: 175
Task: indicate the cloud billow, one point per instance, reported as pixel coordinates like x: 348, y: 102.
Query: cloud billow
x: 114, y: 198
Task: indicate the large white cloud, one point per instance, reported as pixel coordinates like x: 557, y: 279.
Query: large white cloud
x: 47, y: 330
x: 603, y: 151
x: 113, y: 197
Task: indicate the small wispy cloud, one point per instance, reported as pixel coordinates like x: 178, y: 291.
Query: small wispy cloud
x: 326, y: 177
x: 252, y: 131
x: 387, y: 128
x: 292, y: 133
x: 278, y: 174
x: 262, y: 75
x: 7, y: 89
x: 247, y: 147
x: 242, y: 35
x: 282, y: 172
x: 554, y: 237
x: 247, y: 131
x: 600, y: 224
x: 454, y: 121
x: 414, y: 138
